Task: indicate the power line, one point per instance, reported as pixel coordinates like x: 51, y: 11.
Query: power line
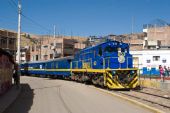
x: 14, y: 5
x: 36, y: 23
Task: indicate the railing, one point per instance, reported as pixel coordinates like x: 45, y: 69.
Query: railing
x: 106, y: 62
x: 87, y: 63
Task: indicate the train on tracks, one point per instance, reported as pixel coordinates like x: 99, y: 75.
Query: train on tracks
x: 108, y: 64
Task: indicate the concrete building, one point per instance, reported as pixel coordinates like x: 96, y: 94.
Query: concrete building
x: 49, y: 48
x: 8, y: 41
x: 148, y: 61
x: 158, y: 35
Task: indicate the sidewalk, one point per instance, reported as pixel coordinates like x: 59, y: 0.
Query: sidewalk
x: 8, y: 98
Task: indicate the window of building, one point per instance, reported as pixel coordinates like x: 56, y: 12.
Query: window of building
x: 156, y: 58
x: 163, y: 60
x: 45, y: 57
x: 58, y: 45
x: 52, y: 44
x: 36, y: 57
x: 32, y: 48
x: 22, y: 55
x: 148, y: 61
x: 45, y: 46
x: 11, y: 41
x: 51, y: 56
x: 4, y: 41
x: 37, y: 48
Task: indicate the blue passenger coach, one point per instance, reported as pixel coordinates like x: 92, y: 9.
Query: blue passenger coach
x: 52, y: 68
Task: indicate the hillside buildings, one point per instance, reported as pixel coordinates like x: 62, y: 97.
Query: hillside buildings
x: 47, y: 47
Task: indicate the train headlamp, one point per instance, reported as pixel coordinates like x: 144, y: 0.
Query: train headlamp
x: 121, y: 57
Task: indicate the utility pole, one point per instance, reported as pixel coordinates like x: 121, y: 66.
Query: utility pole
x: 54, y: 31
x: 19, y: 38
x: 54, y: 42
x: 19, y: 31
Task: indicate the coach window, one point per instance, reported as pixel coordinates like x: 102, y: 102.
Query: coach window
x: 100, y: 51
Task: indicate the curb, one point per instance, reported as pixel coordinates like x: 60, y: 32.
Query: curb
x: 131, y: 100
x: 7, y: 102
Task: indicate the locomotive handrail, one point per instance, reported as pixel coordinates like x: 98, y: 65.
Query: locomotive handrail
x: 82, y: 62
x: 108, y: 62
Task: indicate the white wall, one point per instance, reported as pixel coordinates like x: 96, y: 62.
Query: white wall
x: 145, y: 55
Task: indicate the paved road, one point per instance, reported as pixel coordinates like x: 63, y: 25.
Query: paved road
x: 43, y: 95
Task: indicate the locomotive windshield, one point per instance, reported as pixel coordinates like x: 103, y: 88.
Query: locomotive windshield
x: 110, y: 49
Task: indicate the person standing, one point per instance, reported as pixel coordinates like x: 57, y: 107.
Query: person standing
x: 166, y: 73
x: 161, y: 70
x: 15, y: 76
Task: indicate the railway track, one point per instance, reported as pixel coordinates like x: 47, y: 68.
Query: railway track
x: 153, y: 94
x: 151, y: 98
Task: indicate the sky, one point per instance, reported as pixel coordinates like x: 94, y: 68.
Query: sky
x: 83, y: 17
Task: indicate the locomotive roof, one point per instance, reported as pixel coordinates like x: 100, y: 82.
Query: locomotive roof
x: 103, y: 44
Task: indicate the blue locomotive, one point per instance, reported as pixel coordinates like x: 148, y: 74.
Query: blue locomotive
x: 107, y: 64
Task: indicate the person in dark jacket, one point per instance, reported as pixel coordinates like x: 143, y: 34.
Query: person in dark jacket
x: 16, y: 76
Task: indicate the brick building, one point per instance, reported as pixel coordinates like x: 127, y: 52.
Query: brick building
x: 8, y: 41
x: 158, y: 38
x: 47, y: 47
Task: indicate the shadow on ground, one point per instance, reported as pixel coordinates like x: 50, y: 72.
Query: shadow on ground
x: 23, y: 102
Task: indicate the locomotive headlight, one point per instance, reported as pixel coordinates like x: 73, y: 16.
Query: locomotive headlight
x: 121, y: 58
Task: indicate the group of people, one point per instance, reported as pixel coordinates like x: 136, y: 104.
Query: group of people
x: 164, y: 71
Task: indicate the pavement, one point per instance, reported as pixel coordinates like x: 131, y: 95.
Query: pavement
x: 8, y: 98
x: 43, y: 95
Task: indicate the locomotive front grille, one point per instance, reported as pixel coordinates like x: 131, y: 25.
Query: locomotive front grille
x: 119, y: 79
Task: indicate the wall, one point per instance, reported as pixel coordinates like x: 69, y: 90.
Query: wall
x: 152, y: 66
x: 6, y: 73
x: 160, y: 33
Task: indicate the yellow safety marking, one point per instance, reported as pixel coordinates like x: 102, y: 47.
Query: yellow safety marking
x: 78, y: 70
x: 123, y: 69
x: 57, y: 69
x: 49, y: 69
x: 30, y: 69
x: 113, y: 84
x: 89, y: 70
x: 152, y: 109
x: 132, y: 84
